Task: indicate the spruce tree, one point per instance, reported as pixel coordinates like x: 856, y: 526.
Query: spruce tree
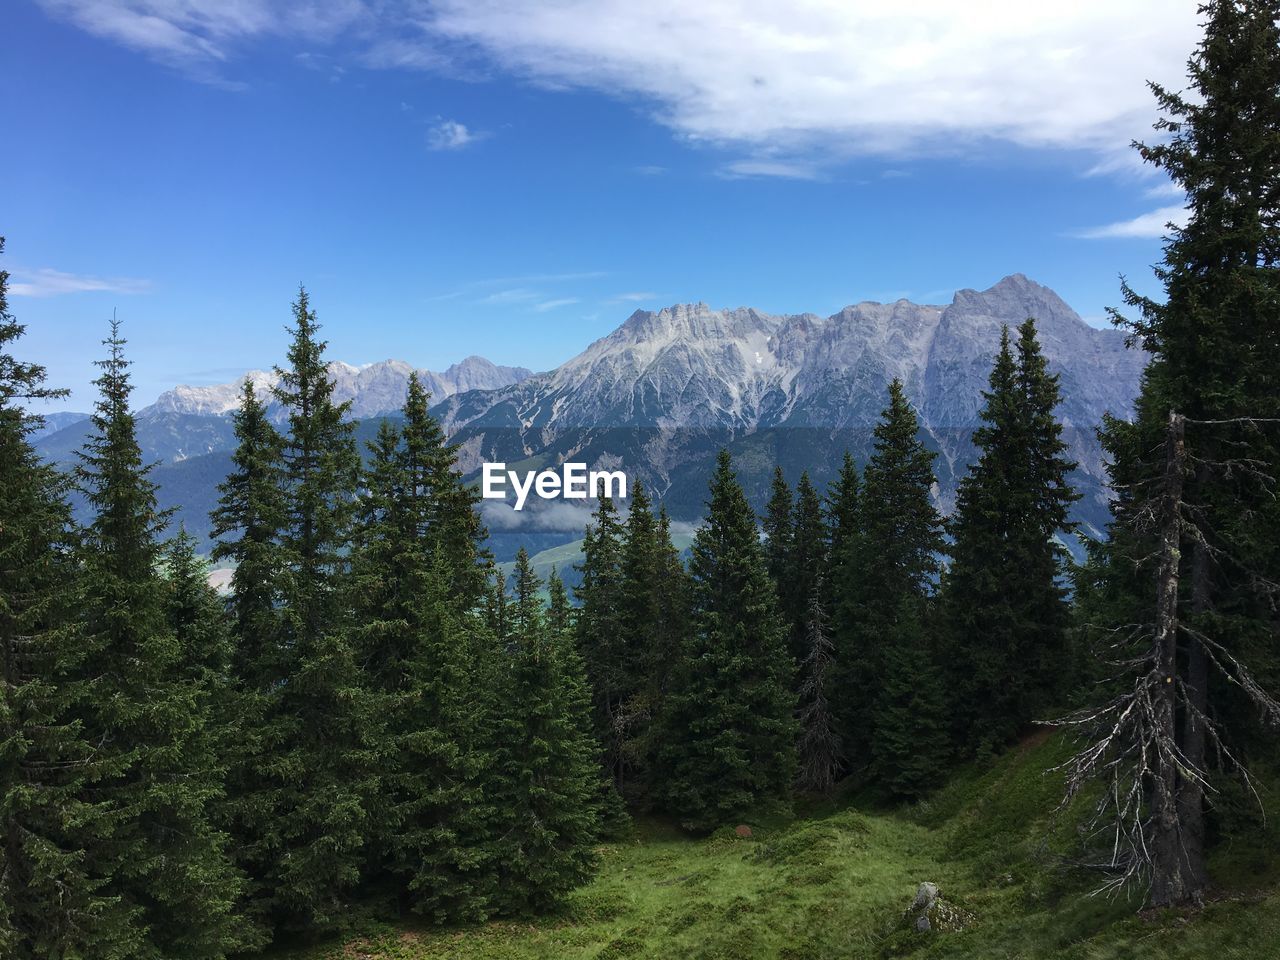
x: 730, y: 731
x: 806, y: 566
x: 149, y: 706
x: 412, y: 641
x: 821, y: 752
x: 247, y: 525
x: 889, y: 653
x: 53, y: 833
x: 246, y: 529
x: 1208, y: 399
x: 1004, y: 607
x: 601, y: 630
x: 312, y: 839
x: 546, y: 759
x: 641, y: 614
x: 776, y: 524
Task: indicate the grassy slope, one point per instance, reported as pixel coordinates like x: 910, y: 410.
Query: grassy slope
x: 835, y: 883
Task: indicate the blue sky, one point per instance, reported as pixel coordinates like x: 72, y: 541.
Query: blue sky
x: 514, y: 178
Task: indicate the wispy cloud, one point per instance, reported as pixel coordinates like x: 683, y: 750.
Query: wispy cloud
x: 514, y: 295
x: 555, y: 304
x: 649, y: 170
x: 1148, y: 225
x: 200, y: 38
x: 452, y: 135
x: 52, y: 283
x: 853, y: 78
x: 636, y: 297
x: 786, y: 169
x: 858, y: 77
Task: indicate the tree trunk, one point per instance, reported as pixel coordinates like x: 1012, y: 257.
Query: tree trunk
x: 1171, y: 882
x: 1191, y: 793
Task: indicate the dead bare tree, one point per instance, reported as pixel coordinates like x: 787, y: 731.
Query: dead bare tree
x: 1146, y: 746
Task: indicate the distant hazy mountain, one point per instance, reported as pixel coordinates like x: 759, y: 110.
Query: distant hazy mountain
x: 53, y: 422
x: 188, y: 422
x: 664, y: 391
x: 373, y: 389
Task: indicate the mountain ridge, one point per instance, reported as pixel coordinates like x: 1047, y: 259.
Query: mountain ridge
x: 659, y: 394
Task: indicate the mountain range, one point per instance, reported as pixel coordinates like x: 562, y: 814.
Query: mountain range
x: 663, y: 392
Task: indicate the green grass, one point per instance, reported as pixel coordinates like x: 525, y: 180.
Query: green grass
x: 835, y: 882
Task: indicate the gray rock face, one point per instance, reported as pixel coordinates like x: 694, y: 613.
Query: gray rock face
x: 732, y: 374
x: 377, y: 388
x: 662, y: 393
x: 926, y: 893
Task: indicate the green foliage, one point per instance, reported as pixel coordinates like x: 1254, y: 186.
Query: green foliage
x: 1003, y: 602
x: 836, y: 885
x: 547, y: 772
x: 729, y: 729
x: 302, y: 791
x: 53, y: 833
x: 890, y: 690
x: 601, y: 633
x: 150, y: 706
x: 413, y: 639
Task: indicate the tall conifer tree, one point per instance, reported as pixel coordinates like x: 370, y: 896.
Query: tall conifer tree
x: 51, y: 901
x: 413, y: 643
x: 600, y: 631
x: 730, y: 728
x: 546, y: 758
x: 148, y: 706
x: 893, y: 692
x: 318, y: 719
x: 1003, y: 605
x: 1213, y: 339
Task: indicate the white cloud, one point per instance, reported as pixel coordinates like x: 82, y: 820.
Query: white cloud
x: 451, y: 135
x: 857, y: 76
x: 786, y: 169
x: 637, y: 297
x: 514, y: 295
x: 1147, y: 225
x: 546, y: 305
x: 815, y: 79
x: 198, y: 35
x: 52, y: 283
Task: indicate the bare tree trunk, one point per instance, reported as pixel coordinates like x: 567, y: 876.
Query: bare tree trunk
x: 1171, y: 881
x: 1191, y: 799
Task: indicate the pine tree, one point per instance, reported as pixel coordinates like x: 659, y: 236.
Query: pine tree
x: 845, y: 559
x: 443, y: 507
x: 311, y: 837
x: 888, y: 649
x: 247, y: 525
x: 641, y: 614
x: 776, y: 523
x: 600, y: 631
x: 51, y: 902
x: 910, y: 744
x: 1199, y: 580
x: 246, y: 528
x: 806, y: 566
x: 546, y: 760
x: 821, y: 751
x: 149, y: 706
x: 412, y: 642
x: 730, y: 731
x: 1004, y: 607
